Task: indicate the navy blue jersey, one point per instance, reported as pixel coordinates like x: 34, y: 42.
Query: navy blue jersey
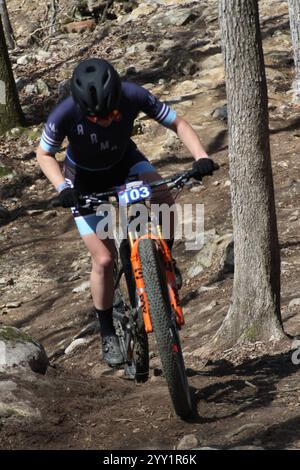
x: 92, y: 147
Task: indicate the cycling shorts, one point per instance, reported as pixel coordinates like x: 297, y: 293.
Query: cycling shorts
x: 87, y: 182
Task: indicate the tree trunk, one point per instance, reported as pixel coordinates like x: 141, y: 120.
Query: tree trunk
x: 10, y: 109
x: 8, y: 31
x: 294, y: 12
x: 255, y: 311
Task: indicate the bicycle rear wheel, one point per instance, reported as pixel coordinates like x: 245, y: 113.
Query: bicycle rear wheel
x: 165, y: 329
x: 130, y: 325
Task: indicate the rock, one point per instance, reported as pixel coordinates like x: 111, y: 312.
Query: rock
x: 212, y: 62
x: 221, y: 113
x: 203, y: 259
x: 75, y: 344
x: 141, y: 11
x: 34, y: 211
x: 241, y: 429
x: 189, y: 441
x: 82, y: 288
x: 283, y: 164
x: 197, y: 189
x: 209, y: 307
x: 80, y: 26
x: 13, y: 305
x: 39, y: 88
x: 167, y: 44
x: 95, y: 4
x: 42, y: 88
x: 26, y: 59
x: 101, y: 31
x: 217, y: 250
x: 20, y: 83
x: 294, y: 303
x: 42, y: 55
x: 179, y: 17
x: 49, y: 215
x: 17, y: 349
x: 189, y: 69
x: 139, y: 48
x: 64, y: 89
x: 171, y: 141
x: 226, y: 245
x: 11, y: 403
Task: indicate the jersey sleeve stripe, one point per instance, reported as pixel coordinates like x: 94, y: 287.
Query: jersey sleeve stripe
x: 169, y: 118
x: 50, y: 141
x: 162, y: 112
x: 49, y: 148
x: 164, y: 115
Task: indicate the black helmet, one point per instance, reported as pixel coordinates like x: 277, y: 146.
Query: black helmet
x: 96, y: 87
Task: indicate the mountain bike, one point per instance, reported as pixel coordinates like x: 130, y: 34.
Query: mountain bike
x: 146, y: 295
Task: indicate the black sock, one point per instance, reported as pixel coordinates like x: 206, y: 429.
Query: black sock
x: 106, y: 322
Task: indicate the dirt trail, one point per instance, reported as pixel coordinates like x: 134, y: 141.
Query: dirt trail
x: 244, y: 397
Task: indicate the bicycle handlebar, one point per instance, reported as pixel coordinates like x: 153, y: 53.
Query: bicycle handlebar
x: 172, y: 182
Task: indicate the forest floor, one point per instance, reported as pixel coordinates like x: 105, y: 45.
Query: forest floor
x: 248, y: 396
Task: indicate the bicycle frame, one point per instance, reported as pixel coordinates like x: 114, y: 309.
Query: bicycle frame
x: 170, y: 279
x: 163, y: 249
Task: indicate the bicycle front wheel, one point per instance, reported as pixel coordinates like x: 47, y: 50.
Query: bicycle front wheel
x: 164, y: 327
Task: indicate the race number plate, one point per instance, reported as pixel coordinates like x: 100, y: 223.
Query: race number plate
x: 134, y: 192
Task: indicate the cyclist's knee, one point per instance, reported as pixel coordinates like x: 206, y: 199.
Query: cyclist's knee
x: 102, y: 263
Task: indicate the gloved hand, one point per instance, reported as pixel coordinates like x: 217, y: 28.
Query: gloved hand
x: 68, y: 197
x: 203, y: 167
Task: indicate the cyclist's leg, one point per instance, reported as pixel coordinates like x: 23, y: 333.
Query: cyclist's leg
x: 102, y: 256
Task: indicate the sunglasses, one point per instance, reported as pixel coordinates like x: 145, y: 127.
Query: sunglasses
x: 114, y: 115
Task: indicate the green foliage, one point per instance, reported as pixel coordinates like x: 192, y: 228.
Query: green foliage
x: 4, y: 172
x: 9, y: 333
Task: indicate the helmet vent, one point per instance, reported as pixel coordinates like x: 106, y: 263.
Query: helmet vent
x: 94, y: 97
x: 107, y: 79
x: 90, y: 69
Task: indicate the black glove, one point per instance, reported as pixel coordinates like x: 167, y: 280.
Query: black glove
x: 203, y: 167
x: 68, y: 197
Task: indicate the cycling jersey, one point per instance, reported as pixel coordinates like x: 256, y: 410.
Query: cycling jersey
x: 95, y: 148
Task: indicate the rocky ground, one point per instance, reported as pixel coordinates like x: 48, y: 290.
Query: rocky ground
x: 245, y: 397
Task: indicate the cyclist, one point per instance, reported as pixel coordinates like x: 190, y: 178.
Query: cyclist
x: 98, y: 121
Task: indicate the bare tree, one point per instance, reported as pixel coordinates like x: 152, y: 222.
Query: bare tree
x: 8, y: 31
x: 294, y: 13
x: 10, y: 109
x: 255, y: 310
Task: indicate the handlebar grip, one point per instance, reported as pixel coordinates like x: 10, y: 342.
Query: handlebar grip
x: 193, y: 172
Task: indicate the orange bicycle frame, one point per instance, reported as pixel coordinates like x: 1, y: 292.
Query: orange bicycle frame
x: 170, y: 278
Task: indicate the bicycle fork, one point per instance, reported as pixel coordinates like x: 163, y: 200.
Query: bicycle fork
x: 170, y: 280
